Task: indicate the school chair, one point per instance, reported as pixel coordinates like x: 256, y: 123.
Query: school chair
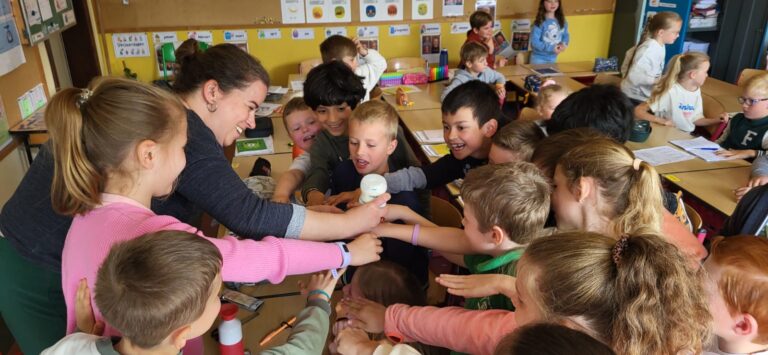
x: 694, y: 217
x: 444, y: 214
x: 607, y: 79
x: 748, y: 73
x: 306, y: 65
x: 712, y: 108
x: 528, y: 114
x: 522, y: 58
x: 404, y: 63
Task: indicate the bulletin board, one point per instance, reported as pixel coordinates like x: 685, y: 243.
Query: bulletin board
x: 153, y: 15
x: 42, y: 18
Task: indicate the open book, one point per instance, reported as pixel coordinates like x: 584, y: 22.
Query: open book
x: 701, y: 147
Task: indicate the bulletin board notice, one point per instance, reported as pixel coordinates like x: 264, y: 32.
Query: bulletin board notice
x: 42, y: 18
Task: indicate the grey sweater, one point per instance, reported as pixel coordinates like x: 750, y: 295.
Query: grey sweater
x: 488, y: 76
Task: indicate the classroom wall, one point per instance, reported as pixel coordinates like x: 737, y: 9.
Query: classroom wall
x: 590, y: 35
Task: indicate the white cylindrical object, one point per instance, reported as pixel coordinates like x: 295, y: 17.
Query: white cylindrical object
x: 372, y: 186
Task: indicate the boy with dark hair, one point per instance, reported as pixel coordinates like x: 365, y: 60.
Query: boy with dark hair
x: 366, y: 63
x: 476, y: 68
x: 471, y: 116
x: 602, y: 107
x: 482, y: 32
x: 333, y: 90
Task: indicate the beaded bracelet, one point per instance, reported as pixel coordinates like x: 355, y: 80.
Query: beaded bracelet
x: 319, y: 292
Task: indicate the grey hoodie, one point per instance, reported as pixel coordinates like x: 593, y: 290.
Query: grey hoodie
x: 488, y: 76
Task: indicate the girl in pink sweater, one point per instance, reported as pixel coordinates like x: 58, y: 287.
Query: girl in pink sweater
x: 638, y: 295
x: 120, y: 145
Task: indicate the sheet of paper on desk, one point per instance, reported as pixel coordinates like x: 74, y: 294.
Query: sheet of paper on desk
x: 407, y: 88
x: 701, y: 147
x: 662, y: 155
x: 266, y: 109
x: 277, y: 90
x: 430, y: 136
x: 436, y: 150
x: 297, y: 85
x: 254, y: 146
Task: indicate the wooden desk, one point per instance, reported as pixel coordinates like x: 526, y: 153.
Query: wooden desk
x: 426, y: 99
x: 564, y: 81
x: 713, y: 187
x: 420, y: 120
x: 34, y: 124
x: 572, y: 69
x: 724, y: 92
x: 514, y: 70
x: 661, y: 135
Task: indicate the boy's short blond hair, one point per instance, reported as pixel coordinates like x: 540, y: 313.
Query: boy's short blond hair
x: 520, y: 137
x: 294, y: 105
x: 472, y: 51
x: 337, y: 47
x: 743, y: 282
x: 513, y: 196
x: 152, y: 285
x: 546, y: 93
x: 758, y: 83
x: 377, y: 111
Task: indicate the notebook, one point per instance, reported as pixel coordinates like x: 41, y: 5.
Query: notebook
x: 701, y: 147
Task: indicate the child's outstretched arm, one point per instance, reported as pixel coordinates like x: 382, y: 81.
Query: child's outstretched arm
x: 759, y: 176
x: 442, y: 239
x: 642, y: 112
x: 310, y: 331
x: 478, y: 285
x: 288, y: 182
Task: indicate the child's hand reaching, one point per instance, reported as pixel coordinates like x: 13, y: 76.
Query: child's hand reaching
x: 321, y: 281
x: 365, y: 249
x: 353, y: 341
x: 501, y: 91
x: 360, y: 47
x: 724, y: 117
x: 753, y: 182
x: 369, y: 214
x: 478, y: 285
x: 85, y: 320
x: 736, y: 153
x: 365, y: 314
x: 344, y: 197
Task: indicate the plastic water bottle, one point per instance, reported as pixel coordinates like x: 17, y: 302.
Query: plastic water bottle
x: 372, y: 186
x: 443, y: 57
x: 230, y: 331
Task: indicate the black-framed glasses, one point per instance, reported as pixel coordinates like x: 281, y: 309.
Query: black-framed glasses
x: 750, y: 102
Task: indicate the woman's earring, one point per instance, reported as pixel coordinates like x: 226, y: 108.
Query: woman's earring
x: 212, y: 107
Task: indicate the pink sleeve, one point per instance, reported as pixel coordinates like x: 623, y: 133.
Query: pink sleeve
x: 270, y: 258
x: 273, y: 259
x: 679, y: 235
x: 458, y: 329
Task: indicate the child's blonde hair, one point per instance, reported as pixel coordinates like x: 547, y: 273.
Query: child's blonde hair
x: 513, y: 196
x: 547, y: 92
x: 661, y: 21
x: 472, y: 51
x: 637, y: 294
x: 93, y: 131
x: 743, y: 281
x: 377, y: 111
x: 520, y: 137
x: 149, y: 286
x: 677, y: 69
x: 630, y: 187
x: 757, y: 83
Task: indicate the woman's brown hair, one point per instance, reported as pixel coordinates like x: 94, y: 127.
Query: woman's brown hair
x: 228, y: 65
x: 638, y: 294
x: 93, y: 130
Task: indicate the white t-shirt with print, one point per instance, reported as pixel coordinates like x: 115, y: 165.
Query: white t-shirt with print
x: 681, y: 106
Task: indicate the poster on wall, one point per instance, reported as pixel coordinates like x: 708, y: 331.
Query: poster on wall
x: 326, y: 11
x: 5, y: 136
x: 128, y: 45
x: 488, y: 6
x: 430, y: 42
x: 292, y: 11
x: 452, y: 8
x: 521, y: 35
x: 237, y: 37
x: 202, y: 36
x: 422, y: 9
x: 381, y: 10
x: 11, y: 53
x: 335, y: 31
x: 165, y: 70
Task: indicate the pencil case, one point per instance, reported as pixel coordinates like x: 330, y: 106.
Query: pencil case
x: 391, y: 79
x: 415, y: 78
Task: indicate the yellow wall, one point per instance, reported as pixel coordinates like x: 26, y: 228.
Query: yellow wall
x: 590, y: 35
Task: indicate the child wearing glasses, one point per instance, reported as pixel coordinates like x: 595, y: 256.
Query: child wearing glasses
x: 747, y: 133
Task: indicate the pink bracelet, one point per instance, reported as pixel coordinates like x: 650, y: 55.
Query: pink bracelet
x: 415, y: 234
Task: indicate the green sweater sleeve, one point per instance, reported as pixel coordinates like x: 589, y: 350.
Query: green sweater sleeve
x: 323, y: 159
x: 309, y: 334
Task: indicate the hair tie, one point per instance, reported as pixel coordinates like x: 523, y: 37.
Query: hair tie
x: 636, y: 164
x: 619, y: 248
x: 84, y: 96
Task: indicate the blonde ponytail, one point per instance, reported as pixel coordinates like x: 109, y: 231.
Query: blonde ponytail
x: 93, y: 132
x: 76, y: 182
x: 636, y: 294
x: 679, y: 66
x: 633, y: 196
x: 661, y: 21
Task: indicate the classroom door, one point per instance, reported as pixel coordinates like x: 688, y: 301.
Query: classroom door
x: 79, y: 43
